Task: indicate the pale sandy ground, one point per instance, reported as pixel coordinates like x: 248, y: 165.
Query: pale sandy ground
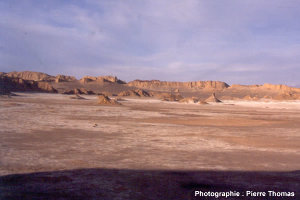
x: 51, y: 132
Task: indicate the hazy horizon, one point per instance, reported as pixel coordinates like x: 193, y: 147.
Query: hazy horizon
x: 238, y: 42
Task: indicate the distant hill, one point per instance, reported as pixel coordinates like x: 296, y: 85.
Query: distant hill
x: 111, y: 85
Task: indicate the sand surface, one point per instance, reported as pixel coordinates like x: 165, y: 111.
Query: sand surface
x: 147, y: 138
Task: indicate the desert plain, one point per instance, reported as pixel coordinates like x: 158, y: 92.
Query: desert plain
x: 56, y: 147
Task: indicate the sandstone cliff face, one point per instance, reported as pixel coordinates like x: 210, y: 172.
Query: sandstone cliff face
x: 38, y: 76
x: 101, y: 79
x: 8, y: 84
x: 28, y: 75
x: 165, y: 85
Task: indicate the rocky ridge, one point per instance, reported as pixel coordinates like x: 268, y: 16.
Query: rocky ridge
x: 101, y: 79
x: 169, y: 91
x: 176, y: 86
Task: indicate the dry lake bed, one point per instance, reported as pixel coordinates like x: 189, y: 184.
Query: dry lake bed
x: 55, y: 147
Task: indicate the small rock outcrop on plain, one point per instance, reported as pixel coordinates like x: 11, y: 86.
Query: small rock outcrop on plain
x: 105, y: 100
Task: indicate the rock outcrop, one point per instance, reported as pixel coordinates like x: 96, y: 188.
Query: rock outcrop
x: 213, y: 98
x: 8, y: 84
x: 166, y: 85
x: 29, y: 75
x: 265, y: 91
x: 62, y: 78
x: 101, y: 79
x: 134, y: 93
x: 267, y: 86
x: 39, y: 76
x: 78, y: 91
x: 276, y: 87
x: 167, y: 96
x: 105, y: 100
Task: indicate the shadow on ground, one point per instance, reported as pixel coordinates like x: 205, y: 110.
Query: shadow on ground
x: 109, y: 184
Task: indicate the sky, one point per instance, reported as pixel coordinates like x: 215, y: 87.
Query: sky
x: 239, y: 42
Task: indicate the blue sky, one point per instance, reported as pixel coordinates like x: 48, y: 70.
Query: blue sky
x: 246, y: 42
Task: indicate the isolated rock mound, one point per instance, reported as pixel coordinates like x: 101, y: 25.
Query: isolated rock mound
x: 105, y: 100
x: 213, y: 98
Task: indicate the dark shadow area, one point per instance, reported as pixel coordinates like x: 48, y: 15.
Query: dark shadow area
x: 109, y: 184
